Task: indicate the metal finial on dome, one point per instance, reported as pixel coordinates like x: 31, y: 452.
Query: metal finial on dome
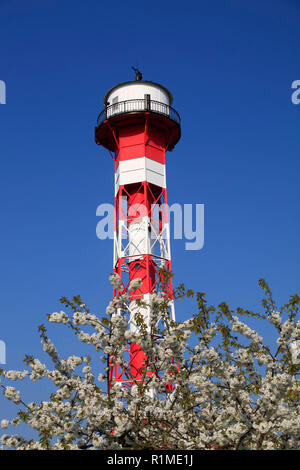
x: 138, y: 74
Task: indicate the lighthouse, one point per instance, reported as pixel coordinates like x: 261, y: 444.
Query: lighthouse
x: 138, y: 125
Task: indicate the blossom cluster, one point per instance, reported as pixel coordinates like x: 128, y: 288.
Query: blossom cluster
x: 201, y: 386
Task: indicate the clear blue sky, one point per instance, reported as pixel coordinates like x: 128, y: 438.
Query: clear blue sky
x: 229, y: 65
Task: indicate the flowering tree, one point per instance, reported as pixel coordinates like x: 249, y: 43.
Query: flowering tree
x: 229, y: 390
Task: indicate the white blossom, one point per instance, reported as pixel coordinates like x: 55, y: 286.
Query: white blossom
x: 135, y: 284
x: 115, y: 280
x: 58, y: 317
x: 12, y: 394
x: 15, y: 375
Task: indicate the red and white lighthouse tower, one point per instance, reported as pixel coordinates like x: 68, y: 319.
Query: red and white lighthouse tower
x: 137, y: 126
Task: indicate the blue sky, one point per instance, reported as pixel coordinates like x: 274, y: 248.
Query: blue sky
x: 229, y: 65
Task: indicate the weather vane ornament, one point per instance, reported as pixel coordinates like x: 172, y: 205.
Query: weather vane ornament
x: 138, y: 74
